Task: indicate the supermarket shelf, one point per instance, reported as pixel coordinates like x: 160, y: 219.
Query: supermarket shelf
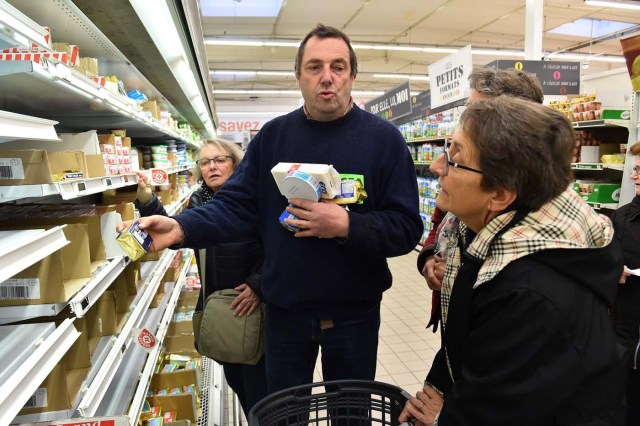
x: 18, y: 126
x: 21, y: 249
x: 29, y: 86
x: 17, y: 30
x: 432, y: 139
x: 600, y: 123
x: 173, y: 208
x: 597, y: 166
x: 95, y: 391
x: 139, y: 65
x: 81, y: 301
x: 423, y: 163
x: 143, y: 385
x: 34, y: 349
x: 105, y: 276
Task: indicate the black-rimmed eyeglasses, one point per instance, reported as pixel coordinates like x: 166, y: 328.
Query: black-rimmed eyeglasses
x: 448, y: 162
x: 220, y: 160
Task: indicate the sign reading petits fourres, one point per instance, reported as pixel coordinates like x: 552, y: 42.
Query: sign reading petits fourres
x: 556, y: 77
x: 393, y: 104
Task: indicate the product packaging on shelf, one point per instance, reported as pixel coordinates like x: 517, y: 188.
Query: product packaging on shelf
x: 33, y: 167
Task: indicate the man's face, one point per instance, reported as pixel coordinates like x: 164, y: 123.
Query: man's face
x: 325, y: 78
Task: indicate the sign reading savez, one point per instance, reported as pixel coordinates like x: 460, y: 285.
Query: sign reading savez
x: 556, y: 77
x: 393, y: 104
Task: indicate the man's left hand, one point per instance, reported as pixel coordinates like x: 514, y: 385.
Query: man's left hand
x: 322, y: 219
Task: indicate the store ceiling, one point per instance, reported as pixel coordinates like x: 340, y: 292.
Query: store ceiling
x: 494, y: 24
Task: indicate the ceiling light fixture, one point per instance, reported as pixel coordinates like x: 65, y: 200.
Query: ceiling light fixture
x: 407, y: 48
x: 402, y: 76
x: 616, y: 4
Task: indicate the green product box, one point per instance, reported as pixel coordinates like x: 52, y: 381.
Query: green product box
x: 616, y: 114
x: 605, y: 193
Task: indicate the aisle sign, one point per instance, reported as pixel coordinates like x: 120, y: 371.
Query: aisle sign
x: 556, y: 77
x: 393, y: 104
x: 449, y: 78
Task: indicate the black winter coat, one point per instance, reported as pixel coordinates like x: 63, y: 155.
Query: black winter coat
x: 225, y: 265
x: 626, y: 312
x: 537, y: 347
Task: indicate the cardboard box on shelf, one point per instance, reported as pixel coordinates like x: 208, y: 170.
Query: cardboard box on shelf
x: 95, y: 166
x: 188, y: 298
x: 183, y: 404
x: 183, y: 344
x: 180, y: 328
x: 54, y: 279
x: 34, y: 167
x: 152, y: 106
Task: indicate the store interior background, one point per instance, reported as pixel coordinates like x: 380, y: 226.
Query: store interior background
x: 496, y: 29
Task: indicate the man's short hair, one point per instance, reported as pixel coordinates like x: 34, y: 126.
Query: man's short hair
x: 324, y: 31
x: 511, y: 82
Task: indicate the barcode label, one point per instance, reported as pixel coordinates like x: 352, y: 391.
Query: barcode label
x: 38, y: 399
x: 20, y: 288
x: 11, y: 168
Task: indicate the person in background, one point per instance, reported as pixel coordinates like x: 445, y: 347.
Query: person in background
x: 626, y: 310
x: 322, y: 284
x: 528, y: 340
x: 234, y: 264
x: 484, y: 83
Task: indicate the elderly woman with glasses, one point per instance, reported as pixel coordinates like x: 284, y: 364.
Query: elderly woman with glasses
x: 528, y: 338
x: 229, y: 265
x: 626, y: 311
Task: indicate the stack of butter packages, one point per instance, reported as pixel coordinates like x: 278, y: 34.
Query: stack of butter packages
x: 315, y: 181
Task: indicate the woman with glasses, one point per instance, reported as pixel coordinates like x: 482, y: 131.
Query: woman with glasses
x: 528, y: 338
x: 626, y: 310
x: 229, y: 265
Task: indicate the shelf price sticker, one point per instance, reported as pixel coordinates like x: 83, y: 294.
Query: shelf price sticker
x: 11, y: 168
x: 159, y: 177
x: 144, y: 338
x: 38, y: 399
x: 89, y: 422
x: 20, y: 289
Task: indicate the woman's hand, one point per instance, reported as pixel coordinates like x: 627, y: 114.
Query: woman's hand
x: 625, y: 274
x: 433, y: 271
x: 246, y: 302
x: 144, y: 193
x: 423, y: 408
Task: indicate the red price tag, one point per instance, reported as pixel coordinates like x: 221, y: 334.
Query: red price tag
x: 146, y: 339
x: 159, y: 177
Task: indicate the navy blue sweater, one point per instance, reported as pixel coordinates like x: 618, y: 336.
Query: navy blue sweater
x: 327, y: 278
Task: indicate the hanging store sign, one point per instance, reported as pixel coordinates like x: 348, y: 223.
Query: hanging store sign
x: 631, y: 51
x: 556, y: 77
x: 393, y: 104
x: 449, y: 78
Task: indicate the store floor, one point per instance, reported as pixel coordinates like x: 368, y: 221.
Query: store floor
x: 406, y: 348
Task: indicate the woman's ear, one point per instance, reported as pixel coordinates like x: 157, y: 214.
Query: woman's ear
x: 501, y: 200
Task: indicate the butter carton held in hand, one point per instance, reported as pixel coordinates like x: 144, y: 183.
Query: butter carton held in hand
x: 326, y: 177
x: 134, y: 241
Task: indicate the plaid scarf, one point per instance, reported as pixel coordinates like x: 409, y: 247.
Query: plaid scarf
x: 564, y: 222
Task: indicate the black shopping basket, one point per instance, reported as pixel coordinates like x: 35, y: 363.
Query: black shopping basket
x: 336, y: 403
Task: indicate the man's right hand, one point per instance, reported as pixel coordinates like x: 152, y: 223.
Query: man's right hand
x: 164, y: 231
x: 433, y: 271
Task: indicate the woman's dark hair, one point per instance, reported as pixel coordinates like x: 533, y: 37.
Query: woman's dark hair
x: 522, y: 146
x: 323, y: 31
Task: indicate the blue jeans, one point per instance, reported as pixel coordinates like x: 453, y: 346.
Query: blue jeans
x: 349, y: 347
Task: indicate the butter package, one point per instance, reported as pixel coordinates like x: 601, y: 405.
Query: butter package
x: 324, y: 176
x: 134, y: 241
x: 351, y: 190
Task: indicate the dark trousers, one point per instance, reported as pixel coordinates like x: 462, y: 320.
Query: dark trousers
x: 349, y: 347
x: 249, y: 382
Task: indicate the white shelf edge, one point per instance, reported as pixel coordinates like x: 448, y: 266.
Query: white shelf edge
x: 597, y: 166
x: 90, y: 293
x: 17, y: 390
x: 18, y: 126
x: 96, y: 390
x: 145, y: 377
x: 25, y: 253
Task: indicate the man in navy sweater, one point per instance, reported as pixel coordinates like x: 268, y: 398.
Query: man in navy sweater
x: 322, y: 285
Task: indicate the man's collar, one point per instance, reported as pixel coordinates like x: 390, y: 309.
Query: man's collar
x: 309, y: 117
